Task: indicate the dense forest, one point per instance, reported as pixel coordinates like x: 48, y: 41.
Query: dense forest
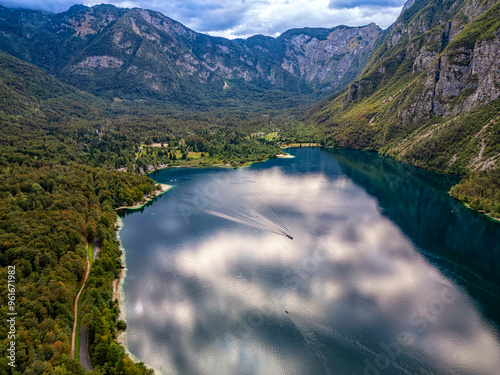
x: 48, y: 213
x: 480, y: 191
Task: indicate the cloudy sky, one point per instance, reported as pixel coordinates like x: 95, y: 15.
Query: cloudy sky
x: 243, y: 18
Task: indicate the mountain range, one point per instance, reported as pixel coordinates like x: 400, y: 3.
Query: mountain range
x: 138, y: 54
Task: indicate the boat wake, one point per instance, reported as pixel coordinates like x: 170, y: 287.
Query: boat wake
x: 247, y: 210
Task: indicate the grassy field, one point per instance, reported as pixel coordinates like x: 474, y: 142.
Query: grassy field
x: 191, y: 154
x: 178, y: 154
x: 90, y: 250
x: 271, y: 136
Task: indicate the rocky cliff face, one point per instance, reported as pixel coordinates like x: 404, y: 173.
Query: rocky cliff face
x: 469, y: 73
x: 430, y: 94
x: 458, y: 77
x: 326, y: 58
x: 138, y: 53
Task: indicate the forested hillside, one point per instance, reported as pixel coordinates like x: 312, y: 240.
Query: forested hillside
x: 51, y: 204
x: 49, y: 211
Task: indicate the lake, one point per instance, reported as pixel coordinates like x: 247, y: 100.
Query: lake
x: 332, y: 262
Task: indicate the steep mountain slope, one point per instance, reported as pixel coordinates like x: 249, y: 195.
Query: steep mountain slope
x: 429, y: 95
x: 142, y: 54
x: 27, y: 91
x: 326, y: 58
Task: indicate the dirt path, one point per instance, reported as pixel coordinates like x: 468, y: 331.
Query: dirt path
x: 73, y: 336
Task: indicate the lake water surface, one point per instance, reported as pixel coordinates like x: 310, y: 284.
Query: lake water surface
x: 333, y: 262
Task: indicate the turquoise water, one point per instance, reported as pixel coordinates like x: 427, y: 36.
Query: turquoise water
x: 333, y: 262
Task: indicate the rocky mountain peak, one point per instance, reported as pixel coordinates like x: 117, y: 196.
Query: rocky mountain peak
x: 129, y: 53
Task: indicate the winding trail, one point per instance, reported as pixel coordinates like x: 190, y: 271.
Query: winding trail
x: 73, y: 336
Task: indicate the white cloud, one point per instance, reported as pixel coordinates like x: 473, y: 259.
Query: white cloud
x: 55, y: 6
x: 244, y: 18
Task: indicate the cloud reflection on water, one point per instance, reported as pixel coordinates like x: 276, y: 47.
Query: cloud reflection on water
x: 350, y: 280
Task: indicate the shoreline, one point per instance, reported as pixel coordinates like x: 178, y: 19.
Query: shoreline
x: 299, y: 145
x: 483, y: 212
x: 285, y: 156
x: 246, y: 164
x: 149, y: 198
x: 119, y: 295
